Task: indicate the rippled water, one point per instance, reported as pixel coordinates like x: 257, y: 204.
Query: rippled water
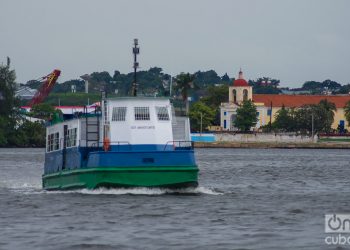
x: 247, y: 199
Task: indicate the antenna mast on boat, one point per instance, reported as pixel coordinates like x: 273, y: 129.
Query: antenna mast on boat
x: 135, y: 51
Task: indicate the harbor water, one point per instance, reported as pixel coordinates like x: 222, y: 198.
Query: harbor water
x: 246, y: 199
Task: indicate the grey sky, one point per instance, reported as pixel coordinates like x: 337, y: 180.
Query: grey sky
x: 291, y: 40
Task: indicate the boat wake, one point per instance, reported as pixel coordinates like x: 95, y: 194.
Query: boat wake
x: 28, y: 189
x: 142, y: 191
x: 21, y: 187
x: 35, y: 187
x: 151, y: 191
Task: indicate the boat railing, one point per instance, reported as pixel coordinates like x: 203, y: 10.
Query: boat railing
x: 103, y: 146
x: 123, y: 145
x: 94, y: 145
x: 120, y: 143
x: 180, y: 145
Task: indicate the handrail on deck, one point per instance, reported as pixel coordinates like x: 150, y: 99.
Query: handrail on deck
x: 98, y: 146
x: 112, y: 143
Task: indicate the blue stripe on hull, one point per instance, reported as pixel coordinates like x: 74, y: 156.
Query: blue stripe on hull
x: 119, y: 156
x: 155, y: 158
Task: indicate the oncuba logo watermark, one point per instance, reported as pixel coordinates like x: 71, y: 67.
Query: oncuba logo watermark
x: 338, y: 226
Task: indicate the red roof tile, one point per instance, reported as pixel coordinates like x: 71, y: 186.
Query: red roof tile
x: 299, y: 100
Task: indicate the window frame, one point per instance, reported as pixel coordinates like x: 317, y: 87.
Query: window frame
x: 142, y: 114
x: 53, y: 142
x: 119, y: 114
x: 71, y: 138
x: 162, y: 116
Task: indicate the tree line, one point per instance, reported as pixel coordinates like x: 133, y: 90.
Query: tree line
x: 149, y: 82
x: 15, y: 130
x: 313, y: 117
x: 154, y: 82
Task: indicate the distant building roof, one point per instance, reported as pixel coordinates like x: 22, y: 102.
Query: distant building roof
x: 69, y: 110
x: 295, y: 92
x: 25, y: 93
x: 240, y: 82
x: 299, y: 100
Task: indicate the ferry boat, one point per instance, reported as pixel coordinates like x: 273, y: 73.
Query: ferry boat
x: 130, y: 142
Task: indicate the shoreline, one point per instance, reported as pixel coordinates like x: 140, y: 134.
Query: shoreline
x: 266, y: 145
x: 258, y: 145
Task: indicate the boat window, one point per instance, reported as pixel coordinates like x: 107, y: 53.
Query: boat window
x: 71, y: 139
x: 118, y: 113
x: 53, y: 142
x: 49, y: 142
x: 162, y: 113
x: 56, y: 143
x: 141, y: 113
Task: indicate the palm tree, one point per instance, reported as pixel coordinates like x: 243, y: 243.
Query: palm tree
x: 347, y: 111
x: 184, y: 82
x: 328, y: 105
x: 330, y: 108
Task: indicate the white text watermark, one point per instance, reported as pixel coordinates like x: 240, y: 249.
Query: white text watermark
x: 338, y: 228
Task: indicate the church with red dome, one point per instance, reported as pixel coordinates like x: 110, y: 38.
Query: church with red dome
x: 267, y: 105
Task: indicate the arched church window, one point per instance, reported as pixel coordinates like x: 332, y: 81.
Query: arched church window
x: 234, y: 96
x: 245, y: 95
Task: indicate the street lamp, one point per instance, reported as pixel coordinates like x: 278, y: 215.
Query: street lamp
x: 135, y: 51
x: 201, y: 122
x: 171, y: 85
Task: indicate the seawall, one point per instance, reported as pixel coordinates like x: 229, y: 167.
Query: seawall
x: 318, y: 145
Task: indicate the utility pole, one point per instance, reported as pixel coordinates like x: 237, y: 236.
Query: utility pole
x: 86, y: 86
x: 312, y: 126
x: 201, y: 122
x: 135, y: 51
x: 171, y: 85
x: 270, y: 116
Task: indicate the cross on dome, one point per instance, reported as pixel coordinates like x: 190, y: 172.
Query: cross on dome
x: 240, y: 74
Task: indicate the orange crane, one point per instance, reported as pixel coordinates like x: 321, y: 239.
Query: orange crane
x: 46, y: 87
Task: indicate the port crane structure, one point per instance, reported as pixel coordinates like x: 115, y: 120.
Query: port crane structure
x: 46, y: 87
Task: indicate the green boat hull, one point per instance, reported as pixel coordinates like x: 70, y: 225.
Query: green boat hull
x: 127, y: 177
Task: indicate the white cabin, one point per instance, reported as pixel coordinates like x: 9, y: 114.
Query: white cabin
x: 129, y: 120
x: 138, y: 120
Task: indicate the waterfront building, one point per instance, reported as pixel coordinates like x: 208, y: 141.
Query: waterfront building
x: 70, y: 112
x: 25, y: 93
x: 268, y: 104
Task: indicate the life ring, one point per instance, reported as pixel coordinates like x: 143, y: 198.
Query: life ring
x: 106, y: 144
